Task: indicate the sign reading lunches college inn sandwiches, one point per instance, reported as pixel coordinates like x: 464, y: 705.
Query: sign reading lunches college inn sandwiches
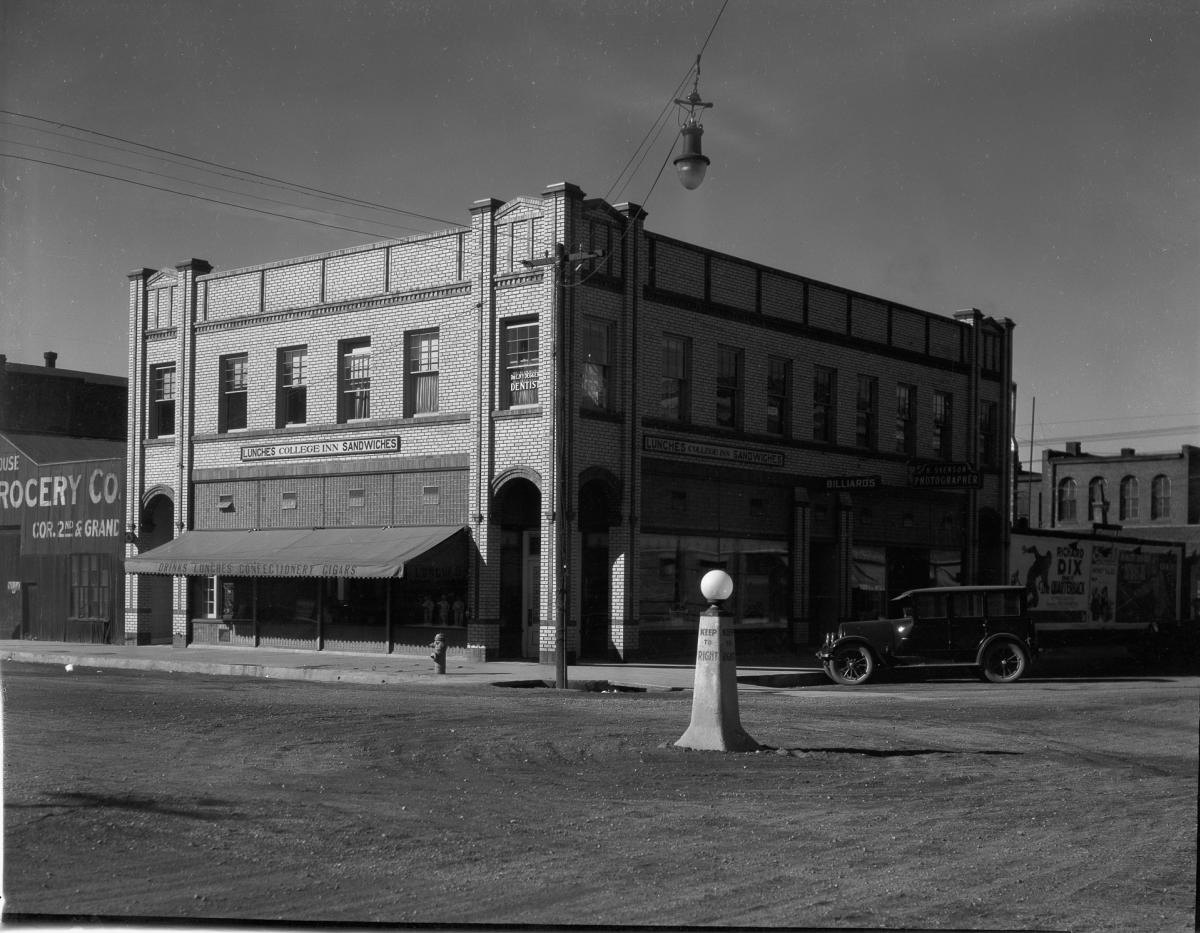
x: 342, y: 448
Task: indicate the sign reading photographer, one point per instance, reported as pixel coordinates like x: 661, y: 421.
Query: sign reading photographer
x: 347, y: 447
x: 945, y: 475
x: 654, y: 443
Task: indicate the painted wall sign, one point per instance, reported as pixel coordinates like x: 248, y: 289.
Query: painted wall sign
x: 63, y: 508
x: 342, y: 448
x: 955, y: 475
x: 655, y: 443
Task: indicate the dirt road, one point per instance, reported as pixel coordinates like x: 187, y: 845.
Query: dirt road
x: 935, y: 805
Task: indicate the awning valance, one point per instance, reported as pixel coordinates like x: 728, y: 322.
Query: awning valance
x: 298, y: 552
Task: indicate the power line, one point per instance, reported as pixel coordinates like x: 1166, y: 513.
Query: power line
x: 295, y: 185
x: 198, y: 197
x: 202, y: 184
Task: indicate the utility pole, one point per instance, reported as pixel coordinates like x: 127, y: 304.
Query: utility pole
x: 561, y: 434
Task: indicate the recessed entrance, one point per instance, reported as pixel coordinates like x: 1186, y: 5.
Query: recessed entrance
x: 518, y: 509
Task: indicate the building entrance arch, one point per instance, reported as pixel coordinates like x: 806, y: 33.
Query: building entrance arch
x: 517, y: 507
x: 154, y: 591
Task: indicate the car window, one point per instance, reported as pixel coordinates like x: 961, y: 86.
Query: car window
x: 967, y: 605
x: 930, y: 605
x: 1001, y: 605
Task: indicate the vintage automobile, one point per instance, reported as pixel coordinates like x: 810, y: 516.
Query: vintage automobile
x: 986, y: 627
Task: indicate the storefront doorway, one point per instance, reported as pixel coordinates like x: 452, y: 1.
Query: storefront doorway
x: 595, y: 598
x: 518, y: 513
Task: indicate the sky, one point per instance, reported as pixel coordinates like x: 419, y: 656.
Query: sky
x: 1036, y: 159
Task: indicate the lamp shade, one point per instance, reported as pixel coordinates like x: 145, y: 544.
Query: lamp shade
x: 691, y: 163
x: 716, y: 586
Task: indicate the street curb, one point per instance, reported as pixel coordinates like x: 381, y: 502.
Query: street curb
x: 261, y: 671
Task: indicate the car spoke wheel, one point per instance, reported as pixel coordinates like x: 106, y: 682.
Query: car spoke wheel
x: 851, y: 665
x: 1003, y: 662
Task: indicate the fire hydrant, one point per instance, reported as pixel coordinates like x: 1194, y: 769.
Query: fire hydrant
x: 439, y: 652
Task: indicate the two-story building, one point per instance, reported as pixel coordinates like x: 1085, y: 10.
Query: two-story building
x: 549, y: 414
x: 62, y: 491
x: 1153, y: 496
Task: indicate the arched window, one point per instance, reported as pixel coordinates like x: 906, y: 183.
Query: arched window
x: 1129, y: 499
x: 1066, y: 500
x: 1160, y: 497
x: 1097, y: 500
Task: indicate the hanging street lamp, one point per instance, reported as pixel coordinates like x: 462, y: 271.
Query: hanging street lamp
x: 691, y: 163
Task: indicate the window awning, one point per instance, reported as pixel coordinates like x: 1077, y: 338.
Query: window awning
x: 298, y: 552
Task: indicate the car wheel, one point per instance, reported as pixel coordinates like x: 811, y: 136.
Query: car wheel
x: 851, y: 665
x: 1003, y: 662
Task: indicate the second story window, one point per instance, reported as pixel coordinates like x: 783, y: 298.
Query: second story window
x: 596, y: 368
x: 424, y: 352
x: 779, y: 392
x: 988, y: 448
x: 824, y: 404
x: 1097, y: 500
x: 354, y: 380
x: 1160, y: 497
x: 521, y: 364
x: 1066, y: 500
x: 943, y: 415
x: 232, y: 414
x: 729, y: 387
x: 866, y: 432
x: 674, y: 401
x: 906, y: 419
x: 293, y: 387
x: 1130, y: 506
x: 162, y: 401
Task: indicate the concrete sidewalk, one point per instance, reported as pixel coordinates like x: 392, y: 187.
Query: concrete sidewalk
x: 344, y: 667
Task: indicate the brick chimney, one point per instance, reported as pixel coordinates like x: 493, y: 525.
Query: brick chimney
x: 1127, y: 451
x: 51, y: 358
x: 1074, y: 449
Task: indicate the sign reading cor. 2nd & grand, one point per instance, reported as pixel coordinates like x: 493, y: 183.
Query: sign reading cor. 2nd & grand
x: 388, y: 444
x: 959, y: 475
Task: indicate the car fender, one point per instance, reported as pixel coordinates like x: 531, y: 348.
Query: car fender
x: 879, y: 657
x: 1004, y: 636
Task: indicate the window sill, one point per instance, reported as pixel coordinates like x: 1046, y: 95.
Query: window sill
x: 528, y: 411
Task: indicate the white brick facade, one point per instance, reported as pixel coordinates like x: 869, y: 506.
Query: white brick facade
x: 595, y: 465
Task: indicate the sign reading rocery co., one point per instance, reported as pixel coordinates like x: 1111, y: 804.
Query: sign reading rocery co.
x: 339, y: 448
x: 58, y: 504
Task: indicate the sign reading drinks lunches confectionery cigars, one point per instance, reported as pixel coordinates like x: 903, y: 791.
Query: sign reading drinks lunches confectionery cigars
x: 388, y: 444
x: 655, y: 443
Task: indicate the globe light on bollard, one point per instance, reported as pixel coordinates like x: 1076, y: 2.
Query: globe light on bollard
x: 715, y: 724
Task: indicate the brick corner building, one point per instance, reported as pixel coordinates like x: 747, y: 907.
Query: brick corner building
x: 551, y: 413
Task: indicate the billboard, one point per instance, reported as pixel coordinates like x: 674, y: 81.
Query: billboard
x: 1082, y: 583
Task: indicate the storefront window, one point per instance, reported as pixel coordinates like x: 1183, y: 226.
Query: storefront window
x: 672, y: 566
x: 91, y: 586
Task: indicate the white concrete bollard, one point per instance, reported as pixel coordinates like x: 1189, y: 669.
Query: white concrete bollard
x: 716, y: 725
